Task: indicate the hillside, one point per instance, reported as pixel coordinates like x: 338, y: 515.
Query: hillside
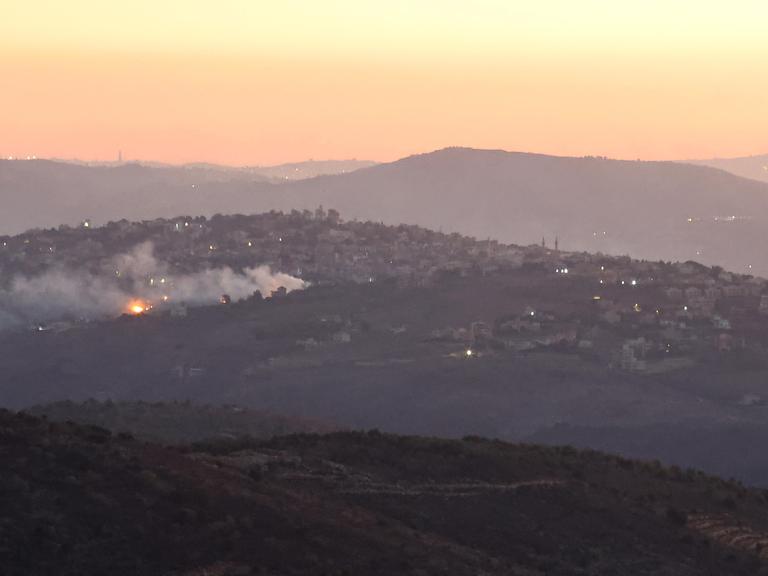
x: 277, y: 172
x: 45, y: 194
x: 647, y: 209
x: 598, y: 205
x: 397, y: 327
x: 719, y: 448
x: 392, y: 354
x: 88, y: 502
x: 177, y: 422
x: 755, y: 167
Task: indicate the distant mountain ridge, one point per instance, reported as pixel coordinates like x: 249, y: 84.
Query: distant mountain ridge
x: 654, y: 210
x: 754, y: 167
x: 285, y: 171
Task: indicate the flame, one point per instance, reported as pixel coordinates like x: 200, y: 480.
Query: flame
x: 137, y: 307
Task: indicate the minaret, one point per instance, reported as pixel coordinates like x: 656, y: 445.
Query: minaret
x: 557, y: 242
x: 120, y: 156
x: 543, y: 242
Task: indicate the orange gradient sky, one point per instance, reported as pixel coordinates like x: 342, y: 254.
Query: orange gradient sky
x: 262, y: 82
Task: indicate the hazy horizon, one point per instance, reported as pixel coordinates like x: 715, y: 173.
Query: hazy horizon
x: 125, y: 158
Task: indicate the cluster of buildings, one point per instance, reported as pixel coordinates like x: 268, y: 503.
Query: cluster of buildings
x: 635, y: 315
x: 314, y: 245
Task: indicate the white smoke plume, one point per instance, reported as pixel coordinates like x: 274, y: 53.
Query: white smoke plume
x: 138, y: 275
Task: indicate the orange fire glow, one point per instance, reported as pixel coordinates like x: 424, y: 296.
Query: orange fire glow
x: 137, y: 307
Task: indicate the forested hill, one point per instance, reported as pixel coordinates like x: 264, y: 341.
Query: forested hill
x: 79, y: 500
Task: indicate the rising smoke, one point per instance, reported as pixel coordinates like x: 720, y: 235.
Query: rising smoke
x: 69, y: 293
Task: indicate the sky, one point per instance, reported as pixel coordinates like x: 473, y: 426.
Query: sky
x: 263, y: 82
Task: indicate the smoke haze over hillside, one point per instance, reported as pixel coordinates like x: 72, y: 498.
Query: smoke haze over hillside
x: 136, y: 276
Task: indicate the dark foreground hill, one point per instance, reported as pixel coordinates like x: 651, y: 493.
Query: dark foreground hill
x: 78, y: 500
x: 178, y: 422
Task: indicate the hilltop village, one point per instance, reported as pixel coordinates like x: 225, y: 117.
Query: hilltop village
x: 636, y: 316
